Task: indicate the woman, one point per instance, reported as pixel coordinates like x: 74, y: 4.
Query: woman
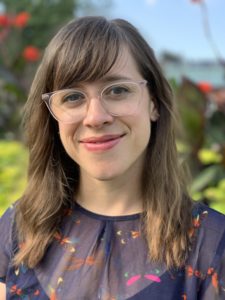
x: 105, y: 214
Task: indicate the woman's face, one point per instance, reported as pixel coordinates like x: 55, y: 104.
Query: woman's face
x: 105, y: 146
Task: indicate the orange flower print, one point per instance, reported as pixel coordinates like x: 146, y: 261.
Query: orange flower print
x: 37, y: 293
x: 135, y: 234
x: 53, y: 295
x: 77, y: 263
x: 214, y: 275
x: 215, y: 280
x: 190, y: 271
x: 14, y: 290
x: 65, y: 241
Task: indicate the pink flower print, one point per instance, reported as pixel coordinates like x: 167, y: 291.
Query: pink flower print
x: 133, y: 279
x: 152, y: 277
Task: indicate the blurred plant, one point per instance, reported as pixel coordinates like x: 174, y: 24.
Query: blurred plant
x: 202, y: 144
x: 22, y: 37
x: 21, y: 19
x: 26, y: 26
x: 13, y: 162
x: 12, y: 69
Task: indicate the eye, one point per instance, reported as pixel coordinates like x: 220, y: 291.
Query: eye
x: 117, y: 90
x: 74, y: 96
x: 120, y: 91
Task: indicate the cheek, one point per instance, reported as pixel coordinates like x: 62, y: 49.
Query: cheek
x: 141, y: 130
x: 145, y: 132
x: 67, y: 134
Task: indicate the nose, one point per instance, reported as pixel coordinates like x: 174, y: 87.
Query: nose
x: 96, y: 114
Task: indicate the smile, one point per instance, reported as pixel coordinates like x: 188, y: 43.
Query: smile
x: 103, y: 143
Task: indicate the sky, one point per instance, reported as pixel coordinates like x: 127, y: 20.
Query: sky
x: 175, y: 25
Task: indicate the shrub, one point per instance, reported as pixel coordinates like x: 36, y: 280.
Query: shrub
x: 13, y: 166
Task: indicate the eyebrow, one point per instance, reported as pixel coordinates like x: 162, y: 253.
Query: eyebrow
x: 105, y: 80
x: 110, y: 78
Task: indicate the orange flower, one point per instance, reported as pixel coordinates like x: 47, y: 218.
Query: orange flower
x: 4, y: 20
x: 21, y: 19
x: 31, y: 53
x: 205, y: 87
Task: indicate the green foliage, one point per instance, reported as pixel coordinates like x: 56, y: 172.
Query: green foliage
x: 203, y: 144
x: 16, y: 70
x: 208, y: 156
x: 13, y: 165
x: 216, y: 195
x: 44, y: 18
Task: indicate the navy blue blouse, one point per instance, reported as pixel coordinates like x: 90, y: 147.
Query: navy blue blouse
x: 96, y: 257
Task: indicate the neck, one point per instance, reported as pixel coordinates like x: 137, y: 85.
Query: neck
x: 120, y: 196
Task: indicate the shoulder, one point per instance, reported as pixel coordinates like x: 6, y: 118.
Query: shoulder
x: 209, y: 233
x: 208, y: 219
x: 6, y: 241
x: 7, y: 220
x: 207, y: 258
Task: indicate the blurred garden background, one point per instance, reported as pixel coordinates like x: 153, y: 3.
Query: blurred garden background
x: 26, y: 26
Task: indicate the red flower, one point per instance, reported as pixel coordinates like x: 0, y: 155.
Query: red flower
x: 31, y: 53
x: 4, y: 20
x: 21, y: 19
x: 205, y: 87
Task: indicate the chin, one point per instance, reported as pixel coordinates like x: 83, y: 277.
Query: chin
x: 105, y: 177
x: 106, y: 174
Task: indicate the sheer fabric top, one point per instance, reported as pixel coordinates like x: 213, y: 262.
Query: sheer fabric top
x: 106, y: 258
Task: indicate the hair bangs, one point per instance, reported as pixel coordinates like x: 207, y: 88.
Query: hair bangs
x: 86, y: 54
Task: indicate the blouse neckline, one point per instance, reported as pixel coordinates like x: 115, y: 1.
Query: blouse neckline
x: 101, y: 217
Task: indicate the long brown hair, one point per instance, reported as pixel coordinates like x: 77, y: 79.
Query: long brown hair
x: 85, y: 50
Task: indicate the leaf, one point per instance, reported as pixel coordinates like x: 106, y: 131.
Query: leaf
x: 207, y: 177
x: 218, y: 206
x: 208, y: 156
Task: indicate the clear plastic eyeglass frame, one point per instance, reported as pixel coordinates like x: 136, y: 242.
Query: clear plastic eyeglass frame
x: 65, y: 117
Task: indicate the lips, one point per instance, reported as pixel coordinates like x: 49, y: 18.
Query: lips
x: 101, y: 143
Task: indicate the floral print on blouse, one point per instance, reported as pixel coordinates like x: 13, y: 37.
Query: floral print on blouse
x: 96, y: 257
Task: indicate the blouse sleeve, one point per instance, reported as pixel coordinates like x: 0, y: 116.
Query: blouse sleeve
x: 221, y: 276
x: 214, y: 283
x: 215, y: 280
x: 6, y: 223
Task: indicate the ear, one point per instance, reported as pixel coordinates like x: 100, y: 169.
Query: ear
x: 154, y: 115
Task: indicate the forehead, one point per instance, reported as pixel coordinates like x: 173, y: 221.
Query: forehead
x: 125, y: 67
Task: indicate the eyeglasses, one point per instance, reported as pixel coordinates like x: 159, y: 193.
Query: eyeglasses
x: 118, y: 99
